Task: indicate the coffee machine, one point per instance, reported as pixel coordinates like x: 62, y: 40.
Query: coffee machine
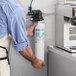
x: 65, y: 29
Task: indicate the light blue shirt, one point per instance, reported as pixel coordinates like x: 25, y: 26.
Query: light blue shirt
x: 12, y: 21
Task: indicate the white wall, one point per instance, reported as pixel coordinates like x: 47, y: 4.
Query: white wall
x: 20, y: 66
x: 44, y: 5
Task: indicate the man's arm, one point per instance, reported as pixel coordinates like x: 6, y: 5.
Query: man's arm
x: 28, y: 54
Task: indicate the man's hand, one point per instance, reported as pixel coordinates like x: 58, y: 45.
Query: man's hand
x: 37, y: 63
x: 30, y: 30
x: 10, y: 37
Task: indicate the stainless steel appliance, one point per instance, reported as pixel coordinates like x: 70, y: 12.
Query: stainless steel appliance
x: 65, y: 34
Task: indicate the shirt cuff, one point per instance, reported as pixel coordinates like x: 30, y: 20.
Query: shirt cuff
x: 22, y: 46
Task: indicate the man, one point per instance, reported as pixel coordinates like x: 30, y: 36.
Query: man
x: 12, y: 21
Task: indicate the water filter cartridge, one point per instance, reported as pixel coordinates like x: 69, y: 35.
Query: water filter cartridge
x: 39, y: 40
x: 39, y: 50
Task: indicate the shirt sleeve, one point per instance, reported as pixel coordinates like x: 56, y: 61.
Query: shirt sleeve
x: 17, y: 28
